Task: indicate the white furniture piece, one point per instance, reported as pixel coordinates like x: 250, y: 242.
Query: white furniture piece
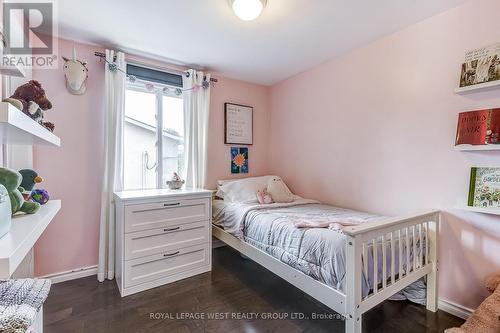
x: 16, y: 245
x: 25, y: 231
x: 359, y: 238
x: 17, y: 128
x: 486, y: 86
x: 491, y: 211
x: 161, y: 236
x: 489, y: 147
x: 37, y: 326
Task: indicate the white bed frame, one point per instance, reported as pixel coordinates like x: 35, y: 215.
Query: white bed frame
x: 351, y: 304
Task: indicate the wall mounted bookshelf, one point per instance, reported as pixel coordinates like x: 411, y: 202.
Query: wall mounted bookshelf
x: 487, y: 86
x: 477, y: 147
x: 492, y: 211
x: 18, y: 128
x: 25, y: 231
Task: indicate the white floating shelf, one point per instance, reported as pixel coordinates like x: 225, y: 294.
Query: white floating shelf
x: 478, y: 87
x: 25, y: 231
x: 492, y: 211
x: 478, y: 147
x: 18, y: 128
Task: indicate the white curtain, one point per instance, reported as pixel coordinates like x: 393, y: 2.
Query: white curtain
x: 113, y: 159
x: 196, y: 117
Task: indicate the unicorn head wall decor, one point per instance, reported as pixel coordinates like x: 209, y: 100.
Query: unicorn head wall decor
x: 76, y: 74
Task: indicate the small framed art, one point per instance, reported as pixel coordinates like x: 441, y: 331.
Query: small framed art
x: 238, y: 124
x: 239, y: 160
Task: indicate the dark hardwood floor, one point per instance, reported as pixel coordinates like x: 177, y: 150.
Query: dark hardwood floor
x: 235, y: 286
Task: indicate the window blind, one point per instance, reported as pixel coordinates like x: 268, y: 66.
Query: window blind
x: 154, y: 75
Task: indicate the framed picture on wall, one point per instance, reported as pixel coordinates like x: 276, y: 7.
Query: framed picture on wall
x: 239, y: 160
x: 238, y: 124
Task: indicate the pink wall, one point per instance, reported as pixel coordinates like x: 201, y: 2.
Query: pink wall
x: 228, y: 90
x: 374, y: 130
x: 371, y: 130
x: 73, y: 172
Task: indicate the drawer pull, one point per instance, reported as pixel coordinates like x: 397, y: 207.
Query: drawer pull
x: 165, y: 206
x: 172, y: 229
x: 171, y: 254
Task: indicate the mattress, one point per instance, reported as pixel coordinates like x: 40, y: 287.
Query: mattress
x: 317, y: 252
x: 218, y: 212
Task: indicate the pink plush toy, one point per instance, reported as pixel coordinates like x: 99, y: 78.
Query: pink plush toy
x: 264, y: 197
x: 486, y: 318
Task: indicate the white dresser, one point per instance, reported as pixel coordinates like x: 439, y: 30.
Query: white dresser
x: 161, y: 236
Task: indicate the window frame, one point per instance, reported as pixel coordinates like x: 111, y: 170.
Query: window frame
x: 139, y: 85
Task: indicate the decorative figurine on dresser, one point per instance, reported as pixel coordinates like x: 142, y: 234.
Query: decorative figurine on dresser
x: 161, y: 236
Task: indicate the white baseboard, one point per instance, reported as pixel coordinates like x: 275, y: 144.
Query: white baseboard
x: 71, y: 275
x: 454, y: 309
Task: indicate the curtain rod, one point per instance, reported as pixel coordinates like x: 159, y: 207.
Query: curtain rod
x: 102, y: 55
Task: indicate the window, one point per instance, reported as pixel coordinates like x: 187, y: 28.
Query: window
x: 153, y: 134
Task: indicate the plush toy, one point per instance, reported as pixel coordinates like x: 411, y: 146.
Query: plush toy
x: 30, y: 178
x: 31, y: 99
x: 486, y: 318
x: 40, y: 196
x: 279, y: 191
x: 11, y: 179
x: 264, y: 197
x: 76, y: 74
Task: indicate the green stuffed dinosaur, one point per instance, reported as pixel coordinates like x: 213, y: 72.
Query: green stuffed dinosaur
x: 11, y: 179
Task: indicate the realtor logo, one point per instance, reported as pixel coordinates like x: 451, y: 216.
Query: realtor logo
x: 29, y: 30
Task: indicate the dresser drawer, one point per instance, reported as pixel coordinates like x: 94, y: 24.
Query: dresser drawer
x: 159, y: 266
x: 145, y: 243
x: 165, y: 214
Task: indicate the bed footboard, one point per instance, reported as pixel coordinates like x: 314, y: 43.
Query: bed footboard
x: 408, y: 247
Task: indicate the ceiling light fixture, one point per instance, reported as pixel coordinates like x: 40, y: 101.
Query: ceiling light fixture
x: 248, y: 10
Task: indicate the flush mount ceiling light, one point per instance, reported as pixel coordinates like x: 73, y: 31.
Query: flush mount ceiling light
x: 248, y: 10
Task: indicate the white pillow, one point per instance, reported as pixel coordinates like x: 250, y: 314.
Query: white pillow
x: 279, y: 191
x: 220, y: 182
x: 243, y: 189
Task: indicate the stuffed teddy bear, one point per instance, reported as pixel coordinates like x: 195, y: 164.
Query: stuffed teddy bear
x: 264, y: 197
x: 279, y: 191
x: 31, y: 99
x: 11, y: 179
x: 486, y: 318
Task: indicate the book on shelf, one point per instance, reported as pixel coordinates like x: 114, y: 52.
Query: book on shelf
x: 484, y: 188
x: 480, y: 127
x: 481, y: 66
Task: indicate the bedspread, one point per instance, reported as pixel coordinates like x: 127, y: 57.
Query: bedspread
x: 317, y: 252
